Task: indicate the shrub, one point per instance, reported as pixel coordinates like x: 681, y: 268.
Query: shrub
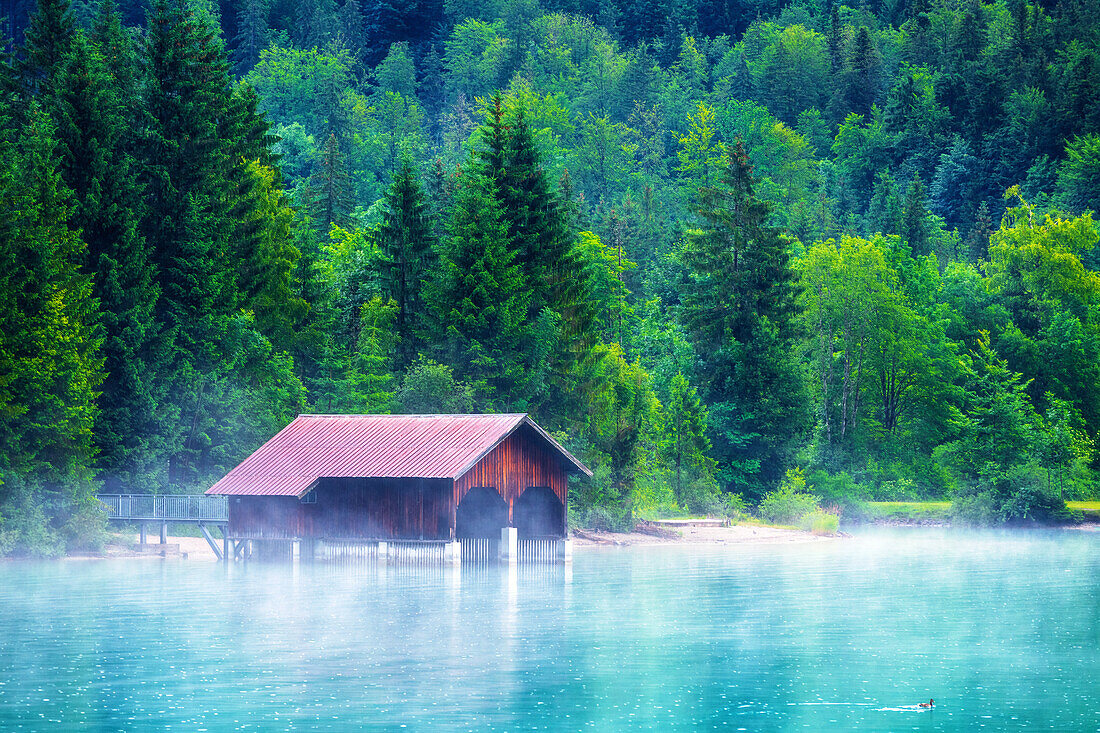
x: 735, y: 507
x: 788, y: 503
x: 847, y: 497
x: 701, y: 495
x: 977, y: 509
x: 820, y: 522
x: 26, y: 530
x: 601, y: 519
x: 599, y: 503
x: 86, y: 529
x: 901, y: 489
x: 1016, y: 496
x: 652, y: 496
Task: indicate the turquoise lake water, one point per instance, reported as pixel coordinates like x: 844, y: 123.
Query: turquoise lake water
x: 1002, y: 629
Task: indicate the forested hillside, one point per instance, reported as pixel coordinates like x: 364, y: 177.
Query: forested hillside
x: 714, y: 247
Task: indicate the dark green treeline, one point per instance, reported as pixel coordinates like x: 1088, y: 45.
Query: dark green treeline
x: 703, y: 243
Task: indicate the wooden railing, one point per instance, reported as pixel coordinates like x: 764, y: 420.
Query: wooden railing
x: 165, y: 508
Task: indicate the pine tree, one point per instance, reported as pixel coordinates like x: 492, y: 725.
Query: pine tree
x: 977, y: 240
x: 352, y: 28
x: 915, y: 227
x: 541, y: 234
x: 107, y: 208
x: 737, y: 306
x: 372, y: 386
x: 268, y: 259
x: 862, y: 76
x: 407, y: 241
x: 884, y: 214
x: 477, y: 299
x: 537, y: 218
x: 50, y: 365
x: 685, y: 434
x: 49, y: 40
x: 116, y: 48
x: 252, y: 34
x: 331, y: 186
x: 953, y: 184
x: 539, y: 221
x: 192, y: 182
x: 739, y: 264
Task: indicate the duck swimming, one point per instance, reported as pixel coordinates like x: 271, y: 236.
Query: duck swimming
x: 929, y: 704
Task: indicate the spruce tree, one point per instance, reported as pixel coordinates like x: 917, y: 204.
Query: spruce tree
x: 914, y: 224
x: 739, y: 265
x: 407, y: 242
x: 477, y: 301
x: 50, y: 367
x: 542, y: 235
x: 252, y: 34
x: 538, y: 222
x: 330, y: 186
x: 685, y: 438
x: 737, y: 306
x: 192, y: 190
x: 884, y: 214
x: 861, y: 79
x: 107, y: 207
x: 977, y: 240
x: 49, y: 39
x: 371, y: 375
x: 117, y: 49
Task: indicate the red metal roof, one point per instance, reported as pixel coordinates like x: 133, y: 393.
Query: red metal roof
x: 372, y: 446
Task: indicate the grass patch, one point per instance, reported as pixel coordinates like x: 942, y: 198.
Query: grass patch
x: 912, y: 511
x: 1091, y: 509
x: 820, y: 523
x: 751, y: 521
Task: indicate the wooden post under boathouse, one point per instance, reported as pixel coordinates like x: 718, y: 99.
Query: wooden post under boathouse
x: 403, y: 488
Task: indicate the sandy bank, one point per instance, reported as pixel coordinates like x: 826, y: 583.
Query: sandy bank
x: 737, y: 534
x: 190, y: 548
x: 195, y: 548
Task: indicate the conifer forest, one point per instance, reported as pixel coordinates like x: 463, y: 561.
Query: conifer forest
x: 720, y: 249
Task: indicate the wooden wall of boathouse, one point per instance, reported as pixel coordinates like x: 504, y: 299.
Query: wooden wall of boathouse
x: 522, y: 460
x: 350, y: 508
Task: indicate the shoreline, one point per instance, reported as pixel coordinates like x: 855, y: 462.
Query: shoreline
x: 737, y: 534
x: 195, y: 548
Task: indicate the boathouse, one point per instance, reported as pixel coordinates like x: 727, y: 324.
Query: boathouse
x: 401, y: 479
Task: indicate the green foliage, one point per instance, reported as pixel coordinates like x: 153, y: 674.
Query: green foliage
x: 50, y: 362
x: 1015, y: 496
x: 788, y: 503
x: 910, y: 512
x: 737, y: 305
x: 819, y: 522
x: 431, y: 388
x: 406, y: 243
x: 179, y: 280
x: 1079, y: 175
x: 598, y: 503
x: 841, y: 493
x: 371, y: 375
x: 477, y: 300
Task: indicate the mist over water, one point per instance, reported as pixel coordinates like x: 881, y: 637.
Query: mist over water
x: 1002, y: 629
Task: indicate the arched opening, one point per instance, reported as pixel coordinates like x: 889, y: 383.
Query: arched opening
x: 538, y: 512
x: 481, y: 513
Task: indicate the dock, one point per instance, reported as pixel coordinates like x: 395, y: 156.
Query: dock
x: 160, y: 509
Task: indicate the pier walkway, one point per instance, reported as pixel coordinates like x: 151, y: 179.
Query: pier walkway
x: 145, y: 509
